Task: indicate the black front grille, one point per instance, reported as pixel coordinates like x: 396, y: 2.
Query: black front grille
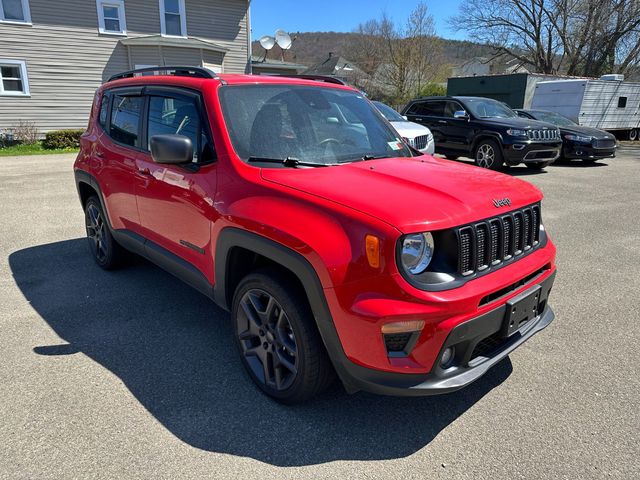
x: 495, y: 240
x: 604, y: 143
x: 396, y: 342
x: 540, y: 135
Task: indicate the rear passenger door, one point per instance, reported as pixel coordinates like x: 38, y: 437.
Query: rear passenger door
x: 430, y: 113
x: 176, y: 201
x: 115, y: 154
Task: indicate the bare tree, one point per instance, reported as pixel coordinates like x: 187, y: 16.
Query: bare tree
x: 579, y: 37
x: 403, y: 58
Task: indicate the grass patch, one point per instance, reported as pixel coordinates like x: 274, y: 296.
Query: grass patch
x: 32, y: 149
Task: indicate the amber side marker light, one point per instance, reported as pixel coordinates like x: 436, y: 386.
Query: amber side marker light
x: 403, y: 327
x: 372, y: 246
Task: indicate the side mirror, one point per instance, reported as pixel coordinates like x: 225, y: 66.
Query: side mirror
x: 171, y: 149
x: 405, y: 117
x: 461, y: 115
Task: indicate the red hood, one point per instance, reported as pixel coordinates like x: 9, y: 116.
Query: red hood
x: 417, y: 194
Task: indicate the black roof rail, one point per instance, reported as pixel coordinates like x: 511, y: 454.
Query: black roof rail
x: 198, y: 72
x: 318, y: 78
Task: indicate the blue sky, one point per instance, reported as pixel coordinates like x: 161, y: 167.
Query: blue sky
x: 341, y: 15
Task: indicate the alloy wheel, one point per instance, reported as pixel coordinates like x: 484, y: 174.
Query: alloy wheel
x: 485, y: 156
x: 96, y: 232
x: 267, y: 339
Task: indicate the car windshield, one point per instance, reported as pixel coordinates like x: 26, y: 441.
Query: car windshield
x: 389, y: 113
x: 554, y: 118
x: 305, y: 125
x: 488, y: 108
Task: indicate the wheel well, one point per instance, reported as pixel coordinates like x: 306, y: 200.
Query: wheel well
x: 86, y: 191
x: 241, y: 262
x: 485, y: 137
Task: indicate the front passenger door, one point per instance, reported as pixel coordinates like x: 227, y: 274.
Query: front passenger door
x: 175, y: 201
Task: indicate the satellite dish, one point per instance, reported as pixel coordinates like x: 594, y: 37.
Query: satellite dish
x: 283, y: 39
x: 268, y: 42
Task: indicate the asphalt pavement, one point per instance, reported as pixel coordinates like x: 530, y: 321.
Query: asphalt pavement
x: 131, y: 374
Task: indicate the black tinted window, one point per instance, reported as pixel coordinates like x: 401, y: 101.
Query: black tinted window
x: 434, y: 108
x: 104, y: 110
x: 125, y: 120
x: 622, y: 102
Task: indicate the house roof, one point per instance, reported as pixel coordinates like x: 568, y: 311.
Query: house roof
x: 334, y: 65
x: 258, y: 61
x: 159, y: 40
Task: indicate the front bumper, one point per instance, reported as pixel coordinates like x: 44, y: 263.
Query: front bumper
x: 478, y: 344
x: 573, y: 151
x: 530, y: 151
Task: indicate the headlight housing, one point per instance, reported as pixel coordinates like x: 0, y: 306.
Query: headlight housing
x: 516, y: 132
x: 577, y: 138
x: 416, y: 252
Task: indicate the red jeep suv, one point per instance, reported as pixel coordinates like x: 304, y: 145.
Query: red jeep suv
x: 337, y: 248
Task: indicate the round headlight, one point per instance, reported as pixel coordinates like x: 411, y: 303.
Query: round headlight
x: 417, y: 252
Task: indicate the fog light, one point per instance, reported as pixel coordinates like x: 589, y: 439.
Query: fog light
x: 447, y: 357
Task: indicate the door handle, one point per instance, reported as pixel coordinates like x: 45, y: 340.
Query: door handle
x: 144, y: 171
x: 99, y: 154
x: 442, y: 121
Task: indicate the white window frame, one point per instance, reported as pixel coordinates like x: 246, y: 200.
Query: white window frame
x: 183, y: 20
x: 24, y: 77
x: 119, y: 4
x: 25, y: 10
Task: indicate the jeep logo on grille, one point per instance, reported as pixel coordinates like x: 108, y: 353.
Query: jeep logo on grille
x: 502, y: 202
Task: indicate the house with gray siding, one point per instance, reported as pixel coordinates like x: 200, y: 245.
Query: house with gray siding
x: 53, y: 55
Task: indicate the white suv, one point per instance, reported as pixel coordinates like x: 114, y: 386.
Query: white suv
x: 416, y: 135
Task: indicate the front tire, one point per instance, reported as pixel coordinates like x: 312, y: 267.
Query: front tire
x: 279, y: 343
x: 107, y: 253
x: 452, y: 157
x: 488, y: 155
x: 634, y: 133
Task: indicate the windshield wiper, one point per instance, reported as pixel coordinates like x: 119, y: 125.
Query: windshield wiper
x: 365, y: 158
x: 288, y: 162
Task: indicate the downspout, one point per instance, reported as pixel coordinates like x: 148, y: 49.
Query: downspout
x: 249, y: 66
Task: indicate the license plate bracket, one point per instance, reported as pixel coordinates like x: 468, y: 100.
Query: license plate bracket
x: 521, y: 310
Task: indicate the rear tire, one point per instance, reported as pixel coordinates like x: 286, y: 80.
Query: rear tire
x: 634, y: 134
x: 278, y: 339
x: 538, y: 165
x: 107, y: 253
x: 488, y: 155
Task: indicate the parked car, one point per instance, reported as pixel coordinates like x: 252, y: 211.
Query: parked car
x: 335, y: 251
x: 583, y: 143
x: 416, y: 135
x: 485, y: 130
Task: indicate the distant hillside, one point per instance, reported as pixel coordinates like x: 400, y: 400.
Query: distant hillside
x: 313, y: 47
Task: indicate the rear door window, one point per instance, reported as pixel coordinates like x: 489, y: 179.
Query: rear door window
x: 125, y: 119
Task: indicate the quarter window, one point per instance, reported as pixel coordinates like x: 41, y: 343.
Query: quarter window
x: 173, y: 20
x: 125, y: 120
x: 13, y: 78
x: 104, y: 110
x: 15, y: 11
x: 111, y: 18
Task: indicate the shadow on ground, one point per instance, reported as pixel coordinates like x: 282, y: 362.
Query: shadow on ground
x: 173, y: 349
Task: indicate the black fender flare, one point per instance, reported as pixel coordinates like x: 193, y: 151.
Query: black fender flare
x: 231, y: 237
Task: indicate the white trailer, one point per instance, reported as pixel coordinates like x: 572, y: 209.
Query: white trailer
x: 608, y: 103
